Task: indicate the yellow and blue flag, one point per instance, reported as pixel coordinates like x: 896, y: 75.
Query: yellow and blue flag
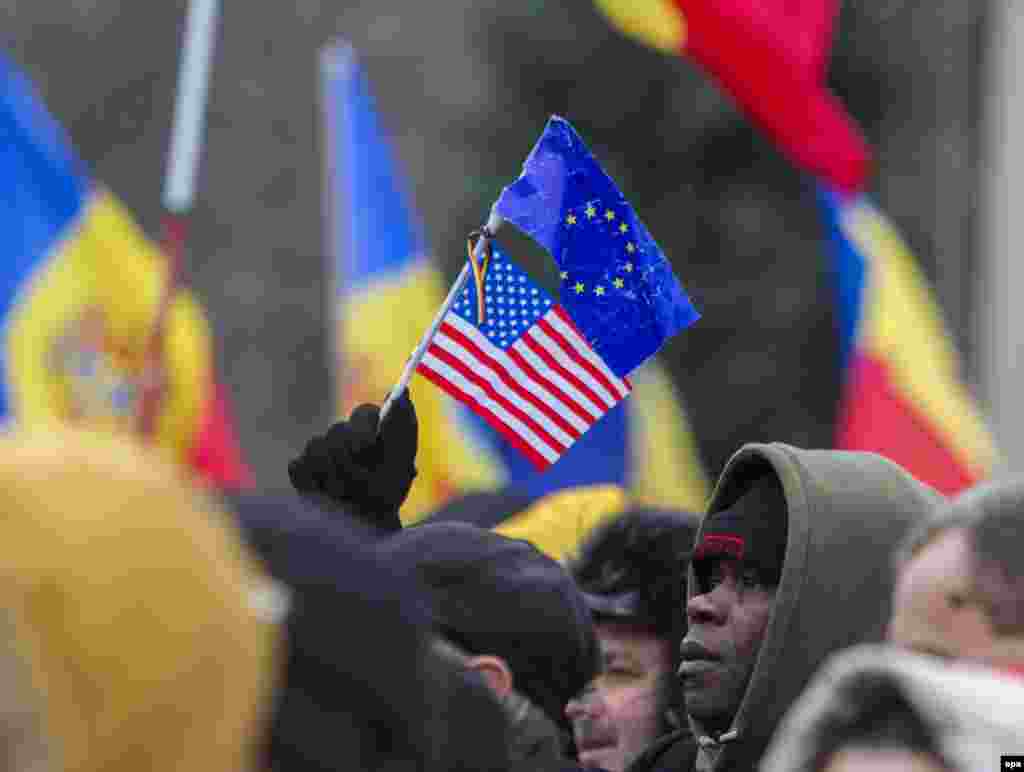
x: 81, y: 293
x: 387, y: 289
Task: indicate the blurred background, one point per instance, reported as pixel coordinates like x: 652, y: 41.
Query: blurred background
x: 465, y: 88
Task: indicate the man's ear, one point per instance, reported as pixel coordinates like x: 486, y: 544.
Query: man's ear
x: 495, y: 672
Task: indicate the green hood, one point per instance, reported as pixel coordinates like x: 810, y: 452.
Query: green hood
x: 847, y: 511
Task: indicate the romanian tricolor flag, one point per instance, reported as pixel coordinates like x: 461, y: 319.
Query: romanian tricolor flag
x: 387, y: 293
x: 82, y: 292
x: 902, y: 393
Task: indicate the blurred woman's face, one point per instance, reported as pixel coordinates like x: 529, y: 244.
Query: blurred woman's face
x: 882, y: 760
x: 619, y: 715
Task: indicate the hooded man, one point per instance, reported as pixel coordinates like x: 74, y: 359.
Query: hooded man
x: 630, y: 571
x: 790, y: 565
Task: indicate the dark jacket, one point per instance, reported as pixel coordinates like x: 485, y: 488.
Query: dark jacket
x: 846, y: 512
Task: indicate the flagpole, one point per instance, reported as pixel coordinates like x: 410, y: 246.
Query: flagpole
x: 190, y: 107
x: 179, y: 189
x: 486, y: 234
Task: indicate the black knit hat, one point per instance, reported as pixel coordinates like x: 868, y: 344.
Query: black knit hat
x: 752, y: 530
x: 631, y: 567
x: 494, y: 595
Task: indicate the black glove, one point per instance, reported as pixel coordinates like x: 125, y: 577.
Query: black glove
x: 355, y: 469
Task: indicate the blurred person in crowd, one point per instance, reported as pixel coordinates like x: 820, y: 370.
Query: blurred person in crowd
x: 514, y: 612
x: 367, y: 684
x: 516, y: 616
x: 960, y: 580
x: 876, y: 709
x: 136, y: 633
x: 790, y: 565
x: 631, y: 572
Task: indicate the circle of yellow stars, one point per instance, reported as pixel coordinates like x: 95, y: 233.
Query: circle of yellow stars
x: 609, y: 215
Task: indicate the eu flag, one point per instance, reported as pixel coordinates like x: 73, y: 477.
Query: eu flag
x: 616, y: 283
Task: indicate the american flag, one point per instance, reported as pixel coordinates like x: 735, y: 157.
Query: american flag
x: 525, y: 369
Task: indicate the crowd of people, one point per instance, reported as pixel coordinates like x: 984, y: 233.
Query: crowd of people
x: 826, y: 612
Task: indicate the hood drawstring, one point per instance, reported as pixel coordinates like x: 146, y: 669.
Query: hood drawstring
x: 707, y: 741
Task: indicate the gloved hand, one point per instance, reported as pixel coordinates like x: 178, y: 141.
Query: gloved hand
x: 355, y: 469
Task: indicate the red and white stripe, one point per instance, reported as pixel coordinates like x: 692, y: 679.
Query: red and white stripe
x: 541, y: 393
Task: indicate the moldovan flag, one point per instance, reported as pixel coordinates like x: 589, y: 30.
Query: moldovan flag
x: 80, y: 291
x: 386, y: 289
x: 902, y: 394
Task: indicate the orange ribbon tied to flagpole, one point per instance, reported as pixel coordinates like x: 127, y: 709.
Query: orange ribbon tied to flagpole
x: 480, y: 266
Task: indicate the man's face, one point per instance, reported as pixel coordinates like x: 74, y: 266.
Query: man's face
x: 620, y: 713
x: 935, y: 610
x: 727, y: 620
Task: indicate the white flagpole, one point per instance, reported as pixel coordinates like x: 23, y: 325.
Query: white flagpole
x: 487, y: 233
x: 179, y: 191
x: 190, y: 105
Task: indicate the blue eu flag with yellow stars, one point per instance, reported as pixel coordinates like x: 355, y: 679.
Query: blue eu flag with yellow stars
x: 616, y: 283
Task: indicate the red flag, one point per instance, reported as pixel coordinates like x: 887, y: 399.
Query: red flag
x: 771, y: 56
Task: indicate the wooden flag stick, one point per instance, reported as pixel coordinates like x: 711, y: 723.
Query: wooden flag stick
x: 487, y: 233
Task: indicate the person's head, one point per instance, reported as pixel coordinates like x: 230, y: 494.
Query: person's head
x: 133, y: 616
x: 514, y: 612
x: 863, y: 713
x: 882, y: 733
x: 875, y: 708
x: 630, y: 571
x: 366, y: 683
x: 960, y: 580
x: 734, y: 572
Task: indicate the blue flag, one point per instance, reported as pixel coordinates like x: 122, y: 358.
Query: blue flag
x: 616, y: 283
